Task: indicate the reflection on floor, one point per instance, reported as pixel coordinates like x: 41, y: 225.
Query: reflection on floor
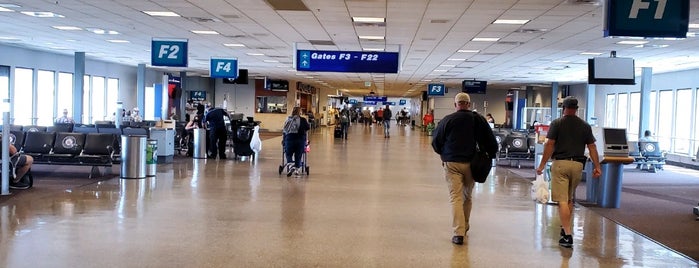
x: 368, y: 202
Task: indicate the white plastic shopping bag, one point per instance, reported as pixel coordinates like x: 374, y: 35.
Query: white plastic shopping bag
x: 256, y: 143
x: 540, y: 190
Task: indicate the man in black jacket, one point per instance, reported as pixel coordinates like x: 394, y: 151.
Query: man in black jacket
x: 455, y: 139
x: 215, y: 119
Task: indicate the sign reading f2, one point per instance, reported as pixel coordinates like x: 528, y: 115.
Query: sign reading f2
x: 223, y: 68
x: 169, y: 52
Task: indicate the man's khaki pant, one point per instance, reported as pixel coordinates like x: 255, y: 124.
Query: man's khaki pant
x: 460, y: 182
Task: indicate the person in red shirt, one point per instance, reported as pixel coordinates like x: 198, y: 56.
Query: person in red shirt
x: 428, y: 118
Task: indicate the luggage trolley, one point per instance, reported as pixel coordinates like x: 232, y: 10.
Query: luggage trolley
x: 284, y: 166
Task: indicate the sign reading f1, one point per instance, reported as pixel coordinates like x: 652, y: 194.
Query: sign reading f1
x: 223, y: 68
x: 647, y: 18
x: 171, y: 53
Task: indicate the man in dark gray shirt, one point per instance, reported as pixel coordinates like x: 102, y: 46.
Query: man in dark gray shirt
x: 565, y: 144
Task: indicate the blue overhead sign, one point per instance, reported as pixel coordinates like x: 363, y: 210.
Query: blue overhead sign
x: 352, y: 101
x: 390, y: 103
x: 647, y: 18
x: 435, y: 90
x: 402, y: 102
x: 223, y: 68
x: 375, y: 98
x: 171, y: 53
x: 347, y: 61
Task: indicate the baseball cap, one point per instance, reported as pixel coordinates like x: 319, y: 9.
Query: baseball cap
x: 462, y: 97
x: 570, y: 102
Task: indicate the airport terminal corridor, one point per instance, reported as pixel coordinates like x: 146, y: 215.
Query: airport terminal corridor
x: 369, y: 201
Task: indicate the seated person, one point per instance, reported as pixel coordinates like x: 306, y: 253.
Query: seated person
x: 193, y: 124
x: 65, y: 119
x: 21, y: 162
x: 646, y: 137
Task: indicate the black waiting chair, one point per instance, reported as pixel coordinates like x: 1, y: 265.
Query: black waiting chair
x: 84, y: 129
x: 66, y: 147
x: 98, y: 149
x: 654, y: 158
x: 62, y: 127
x: 34, y: 128
x: 38, y: 144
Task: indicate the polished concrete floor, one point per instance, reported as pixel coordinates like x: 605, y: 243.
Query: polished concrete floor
x: 368, y: 202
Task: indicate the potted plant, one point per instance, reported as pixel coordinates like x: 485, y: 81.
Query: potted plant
x: 430, y: 128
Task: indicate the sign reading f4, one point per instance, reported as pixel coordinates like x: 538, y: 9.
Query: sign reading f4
x: 223, y: 68
x: 172, y: 52
x: 647, y: 18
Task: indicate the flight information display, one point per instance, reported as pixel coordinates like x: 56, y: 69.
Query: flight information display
x: 347, y: 61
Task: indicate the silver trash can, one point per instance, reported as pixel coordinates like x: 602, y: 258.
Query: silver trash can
x: 199, y: 143
x: 151, y: 157
x: 133, y: 156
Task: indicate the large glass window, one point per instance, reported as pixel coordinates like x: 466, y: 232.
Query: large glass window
x: 682, y: 121
x: 86, y: 100
x: 652, y: 113
x: 45, y: 89
x: 610, y: 110
x: 112, y: 96
x: 622, y: 111
x: 64, y: 94
x: 271, y: 104
x: 634, y: 114
x: 696, y: 125
x: 97, y: 105
x: 4, y: 85
x: 665, y: 112
x: 23, y: 103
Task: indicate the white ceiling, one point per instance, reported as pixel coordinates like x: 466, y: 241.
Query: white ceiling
x: 427, y: 33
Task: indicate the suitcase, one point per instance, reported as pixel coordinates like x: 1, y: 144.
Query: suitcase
x: 338, y: 132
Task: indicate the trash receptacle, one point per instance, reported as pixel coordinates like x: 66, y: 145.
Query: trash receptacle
x: 133, y: 156
x: 609, y: 187
x: 199, y: 143
x: 151, y: 158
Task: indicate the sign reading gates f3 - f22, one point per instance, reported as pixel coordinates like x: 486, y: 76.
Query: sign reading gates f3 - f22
x: 168, y: 52
x: 347, y: 61
x: 647, y: 18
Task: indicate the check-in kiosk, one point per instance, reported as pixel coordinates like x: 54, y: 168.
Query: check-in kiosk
x: 615, y: 154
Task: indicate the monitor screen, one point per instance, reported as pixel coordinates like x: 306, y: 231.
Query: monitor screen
x: 473, y: 86
x: 615, y: 136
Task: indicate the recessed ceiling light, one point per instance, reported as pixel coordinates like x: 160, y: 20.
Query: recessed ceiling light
x: 456, y: 59
x: 271, y: 61
x: 162, y: 13
x: 42, y: 14
x: 102, y: 31
x: 368, y: 19
x: 632, y: 42
x: 373, y: 49
x: 67, y: 28
x: 518, y: 22
x: 468, y: 51
x: 691, y: 34
x: 447, y: 65
x: 2, y: 9
x: 204, y: 32
x: 485, y: 39
x: 255, y: 54
x: 118, y: 41
x: 591, y: 53
x: 694, y: 26
x: 371, y: 37
x: 291, y: 70
x: 652, y: 46
x: 309, y: 77
x: 234, y: 45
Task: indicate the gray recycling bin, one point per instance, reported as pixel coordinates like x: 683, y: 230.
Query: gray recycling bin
x: 199, y: 143
x: 151, y: 157
x: 133, y: 156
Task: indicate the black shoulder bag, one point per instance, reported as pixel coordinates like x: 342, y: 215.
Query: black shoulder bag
x: 481, y: 162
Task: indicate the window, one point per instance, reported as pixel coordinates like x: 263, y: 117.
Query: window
x: 682, y: 121
x: 23, y: 102
x: 97, y: 94
x: 45, y: 89
x: 610, y: 110
x: 622, y: 111
x: 86, y: 100
x: 271, y: 104
x: 651, y: 116
x: 665, y: 112
x: 4, y: 85
x: 64, y: 94
x: 112, y: 96
x: 634, y: 113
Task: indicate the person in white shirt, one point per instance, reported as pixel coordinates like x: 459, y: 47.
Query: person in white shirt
x: 65, y: 119
x: 646, y: 137
x: 135, y: 117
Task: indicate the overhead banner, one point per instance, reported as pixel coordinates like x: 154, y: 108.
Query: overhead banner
x: 647, y: 18
x: 223, y: 68
x: 168, y: 52
x: 347, y: 61
x: 435, y: 89
x: 375, y: 98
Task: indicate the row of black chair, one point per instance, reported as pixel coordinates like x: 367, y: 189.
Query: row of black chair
x: 515, y: 144
x: 647, y: 155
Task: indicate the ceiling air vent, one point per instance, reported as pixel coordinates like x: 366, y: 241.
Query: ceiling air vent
x: 288, y: 5
x: 439, y: 21
x: 532, y: 31
x: 202, y: 20
x: 230, y: 16
x: 585, y: 2
x: 322, y: 42
x: 511, y: 43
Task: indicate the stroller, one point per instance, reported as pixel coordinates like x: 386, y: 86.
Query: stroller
x: 242, y: 135
x: 304, y: 170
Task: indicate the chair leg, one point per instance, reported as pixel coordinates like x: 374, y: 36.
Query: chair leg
x: 95, y: 171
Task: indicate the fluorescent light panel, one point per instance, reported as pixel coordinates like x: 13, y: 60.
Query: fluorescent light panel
x: 632, y: 42
x: 368, y: 19
x: 2, y: 9
x: 234, y: 45
x: 485, y: 39
x: 591, y: 53
x: 373, y: 49
x: 255, y: 54
x: 42, y: 14
x: 468, y: 51
x: 67, y: 28
x: 517, y: 22
x: 162, y: 13
x: 694, y: 26
x: 118, y: 41
x: 371, y: 37
x: 205, y: 32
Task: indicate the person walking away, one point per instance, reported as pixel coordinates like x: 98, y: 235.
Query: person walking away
x: 344, y: 121
x: 215, y: 120
x: 379, y: 116
x: 294, y: 140
x: 566, y: 141
x: 387, y: 114
x: 367, y: 117
x: 455, y: 140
